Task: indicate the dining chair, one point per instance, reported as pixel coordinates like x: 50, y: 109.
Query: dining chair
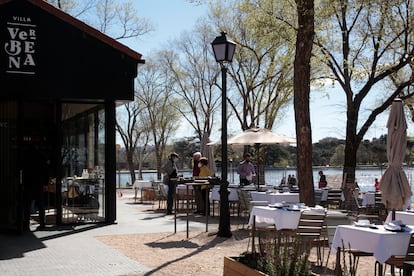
x: 334, y: 199
x: 246, y: 203
x: 365, y: 212
x: 309, y: 231
x: 405, y: 263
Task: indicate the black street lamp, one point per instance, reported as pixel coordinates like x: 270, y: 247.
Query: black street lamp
x: 223, y: 52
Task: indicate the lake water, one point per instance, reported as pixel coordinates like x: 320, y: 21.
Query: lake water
x: 364, y: 177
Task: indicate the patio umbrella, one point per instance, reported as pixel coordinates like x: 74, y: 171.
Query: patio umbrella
x: 208, y: 152
x: 260, y: 136
x: 257, y: 137
x: 394, y: 183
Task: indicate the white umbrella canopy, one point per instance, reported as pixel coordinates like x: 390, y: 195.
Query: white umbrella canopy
x: 257, y: 136
x: 208, y: 152
x: 394, y: 183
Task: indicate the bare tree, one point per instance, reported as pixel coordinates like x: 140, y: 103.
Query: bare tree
x: 118, y: 19
x: 154, y: 87
x: 194, y: 71
x: 366, y: 44
x: 262, y: 69
x: 132, y: 132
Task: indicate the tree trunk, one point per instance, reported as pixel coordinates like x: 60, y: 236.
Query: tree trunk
x: 130, y: 161
x: 350, y: 156
x: 304, y: 43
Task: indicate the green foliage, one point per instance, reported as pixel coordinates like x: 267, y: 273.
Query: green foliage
x: 281, y: 255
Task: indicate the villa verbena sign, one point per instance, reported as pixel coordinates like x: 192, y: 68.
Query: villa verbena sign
x: 20, y: 45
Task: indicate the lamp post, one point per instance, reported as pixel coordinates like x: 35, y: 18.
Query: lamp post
x: 223, y: 52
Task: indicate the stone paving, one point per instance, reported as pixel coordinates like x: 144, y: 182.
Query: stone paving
x: 69, y: 250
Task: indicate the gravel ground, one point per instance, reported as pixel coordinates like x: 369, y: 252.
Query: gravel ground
x: 202, y: 253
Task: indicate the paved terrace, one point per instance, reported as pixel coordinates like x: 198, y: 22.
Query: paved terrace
x: 74, y: 250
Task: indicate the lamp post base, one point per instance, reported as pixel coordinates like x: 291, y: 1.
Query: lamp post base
x: 224, y: 222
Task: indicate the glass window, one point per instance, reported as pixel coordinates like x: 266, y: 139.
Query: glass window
x: 83, y: 163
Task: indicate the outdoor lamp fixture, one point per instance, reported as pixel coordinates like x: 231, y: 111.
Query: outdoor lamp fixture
x: 223, y: 52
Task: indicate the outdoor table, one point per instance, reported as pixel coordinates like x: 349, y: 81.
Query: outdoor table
x: 283, y: 219
x: 141, y: 184
x: 382, y: 243
x: 188, y: 186
x: 368, y: 199
x: 275, y: 197
x: 215, y: 194
x: 407, y: 217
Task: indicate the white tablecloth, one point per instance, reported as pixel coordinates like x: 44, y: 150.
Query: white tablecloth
x: 139, y: 184
x: 405, y: 217
x: 283, y: 219
x: 215, y: 195
x: 275, y: 197
x: 382, y: 243
x: 324, y: 193
x: 368, y: 199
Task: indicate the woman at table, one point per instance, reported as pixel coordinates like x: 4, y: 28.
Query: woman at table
x: 204, y: 172
x: 169, y: 171
x: 246, y: 170
x: 197, y: 189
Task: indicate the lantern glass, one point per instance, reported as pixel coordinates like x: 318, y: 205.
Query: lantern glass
x: 223, y: 48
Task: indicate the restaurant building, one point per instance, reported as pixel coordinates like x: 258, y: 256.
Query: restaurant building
x: 60, y: 81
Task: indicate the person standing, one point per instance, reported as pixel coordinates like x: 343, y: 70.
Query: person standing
x: 204, y: 172
x: 322, y: 180
x: 246, y: 170
x: 169, y: 171
x: 377, y: 185
x: 196, y: 161
x: 197, y: 189
x: 35, y: 177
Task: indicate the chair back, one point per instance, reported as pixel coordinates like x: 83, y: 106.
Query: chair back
x: 310, y: 224
x: 334, y: 199
x: 409, y: 256
x: 163, y: 189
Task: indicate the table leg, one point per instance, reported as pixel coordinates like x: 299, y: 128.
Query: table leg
x: 188, y: 207
x: 338, y: 270
x: 175, y: 210
x: 207, y: 209
x: 253, y: 234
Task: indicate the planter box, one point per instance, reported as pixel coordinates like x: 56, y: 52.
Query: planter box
x: 234, y: 268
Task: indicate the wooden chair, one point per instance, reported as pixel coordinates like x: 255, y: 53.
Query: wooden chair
x: 309, y: 231
x: 246, y: 203
x: 160, y: 193
x: 334, y: 200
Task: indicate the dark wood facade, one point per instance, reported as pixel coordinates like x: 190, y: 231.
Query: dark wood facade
x: 59, y: 82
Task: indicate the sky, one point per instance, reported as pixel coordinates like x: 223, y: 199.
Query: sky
x: 171, y: 17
